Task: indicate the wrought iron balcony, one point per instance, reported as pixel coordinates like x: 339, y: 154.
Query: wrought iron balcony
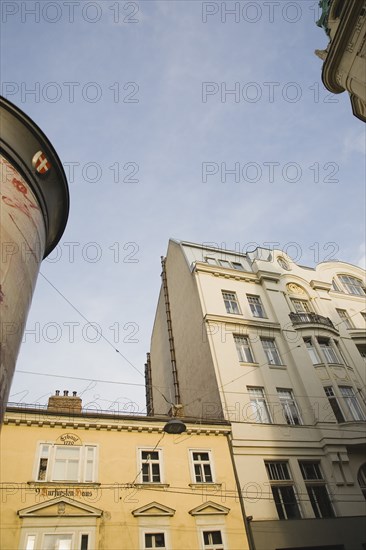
x: 307, y: 318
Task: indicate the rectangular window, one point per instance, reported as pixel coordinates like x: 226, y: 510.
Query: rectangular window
x: 316, y: 489
x: 328, y: 351
x: 212, y: 540
x: 260, y: 412
x: 271, y: 351
x: 290, y: 410
x: 347, y: 323
x: 312, y: 351
x: 243, y: 348
x: 154, y: 540
x: 352, y: 403
x: 67, y: 463
x: 58, y: 542
x: 283, y: 490
x: 150, y: 467
x: 202, y: 466
x: 238, y: 266
x: 224, y: 263
x: 231, y: 302
x: 256, y: 306
x: 363, y: 315
x: 301, y: 306
x: 362, y: 350
x: 329, y: 392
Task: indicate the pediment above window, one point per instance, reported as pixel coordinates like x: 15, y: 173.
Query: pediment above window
x: 153, y: 509
x: 61, y: 506
x: 209, y: 508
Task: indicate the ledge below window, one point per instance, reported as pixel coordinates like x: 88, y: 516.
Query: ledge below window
x: 215, y: 486
x: 154, y: 485
x: 64, y: 483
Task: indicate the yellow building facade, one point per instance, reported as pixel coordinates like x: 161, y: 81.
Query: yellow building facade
x: 77, y: 481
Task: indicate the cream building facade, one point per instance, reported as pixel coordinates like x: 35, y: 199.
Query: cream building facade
x: 277, y: 349
x: 344, y: 66
x: 78, y: 480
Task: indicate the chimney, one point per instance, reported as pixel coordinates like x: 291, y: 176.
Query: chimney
x: 64, y: 403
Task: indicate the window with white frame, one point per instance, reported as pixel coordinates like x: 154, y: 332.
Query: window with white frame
x: 260, y: 412
x: 256, y: 306
x: 347, y: 323
x: 335, y: 286
x: 202, y: 467
x: 301, y: 306
x: 231, y: 302
x: 352, y: 285
x: 283, y: 490
x: 154, y: 540
x: 238, y: 266
x: 289, y: 406
x: 315, y: 359
x: 243, y: 348
x: 150, y: 461
x: 316, y: 488
x: 212, y: 540
x: 350, y: 398
x: 224, y: 263
x: 271, y: 351
x: 333, y: 401
x: 363, y: 314
x: 67, y: 540
x: 362, y: 350
x: 211, y: 261
x: 328, y: 351
x: 66, y: 463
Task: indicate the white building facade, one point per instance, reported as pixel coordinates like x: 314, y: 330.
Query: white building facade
x: 279, y: 350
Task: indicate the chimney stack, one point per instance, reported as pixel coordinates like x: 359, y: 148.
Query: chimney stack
x: 65, y: 403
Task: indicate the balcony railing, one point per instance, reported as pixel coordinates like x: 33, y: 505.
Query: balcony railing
x: 310, y: 318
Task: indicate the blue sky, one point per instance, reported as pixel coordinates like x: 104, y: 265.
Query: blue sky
x: 146, y: 101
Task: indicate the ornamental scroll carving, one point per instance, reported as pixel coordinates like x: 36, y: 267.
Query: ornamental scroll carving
x: 293, y: 288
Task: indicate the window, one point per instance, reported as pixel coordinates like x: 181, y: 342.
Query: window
x: 271, y: 351
x: 243, y: 348
x: 352, y: 403
x: 67, y: 463
x: 211, y: 261
x: 328, y: 350
x: 60, y: 541
x: 150, y: 467
x: 289, y: 406
x: 312, y: 351
x: 329, y: 392
x: 283, y: 263
x: 345, y: 318
x: 335, y: 287
x: 301, y: 306
x: 154, y: 540
x: 361, y: 478
x: 202, y: 466
x: 362, y: 350
x: 283, y: 490
x: 352, y: 285
x: 212, y: 540
x: 231, y: 302
x: 316, y: 489
x: 256, y: 306
x: 363, y: 315
x: 224, y: 263
x: 259, y: 406
x: 238, y: 266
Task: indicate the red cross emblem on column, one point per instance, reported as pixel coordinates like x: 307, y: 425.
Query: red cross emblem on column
x: 40, y: 163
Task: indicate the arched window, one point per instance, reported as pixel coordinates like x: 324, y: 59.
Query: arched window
x: 361, y: 478
x: 352, y: 285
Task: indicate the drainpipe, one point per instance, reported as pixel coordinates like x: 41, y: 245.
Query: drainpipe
x: 248, y: 527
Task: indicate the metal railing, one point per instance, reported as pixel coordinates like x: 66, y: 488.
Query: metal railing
x: 310, y: 318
